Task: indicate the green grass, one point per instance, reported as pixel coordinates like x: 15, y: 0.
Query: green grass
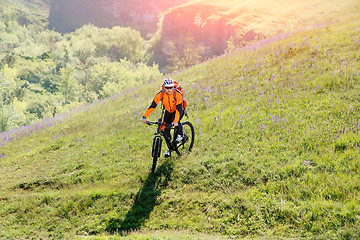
x: 276, y: 153
x: 160, y: 235
x: 34, y: 8
x: 271, y: 16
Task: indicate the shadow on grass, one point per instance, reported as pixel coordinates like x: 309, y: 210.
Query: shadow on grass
x: 145, y: 201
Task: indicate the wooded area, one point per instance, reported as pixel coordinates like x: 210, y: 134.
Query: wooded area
x: 43, y: 72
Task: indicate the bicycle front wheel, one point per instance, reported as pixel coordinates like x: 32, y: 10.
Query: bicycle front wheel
x: 188, y: 139
x: 156, y: 151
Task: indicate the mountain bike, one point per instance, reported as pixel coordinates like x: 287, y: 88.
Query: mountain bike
x: 180, y: 148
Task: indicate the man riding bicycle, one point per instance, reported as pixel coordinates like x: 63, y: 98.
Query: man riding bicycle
x: 172, y: 99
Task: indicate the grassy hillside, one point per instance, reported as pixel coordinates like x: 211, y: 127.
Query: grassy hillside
x: 35, y: 8
x: 276, y: 153
x: 271, y: 16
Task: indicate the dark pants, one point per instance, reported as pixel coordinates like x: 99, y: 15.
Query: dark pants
x: 168, y: 119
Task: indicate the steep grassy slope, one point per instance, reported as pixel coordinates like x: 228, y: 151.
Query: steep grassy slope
x: 39, y: 9
x: 276, y: 153
x: 267, y: 17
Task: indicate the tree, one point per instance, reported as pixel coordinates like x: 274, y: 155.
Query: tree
x: 121, y: 43
x: 69, y: 87
x: 51, y: 83
x: 190, y: 56
x: 37, y: 109
x: 173, y: 57
x: 230, y: 45
x: 8, y: 85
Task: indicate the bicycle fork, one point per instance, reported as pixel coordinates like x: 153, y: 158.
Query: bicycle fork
x: 156, y: 148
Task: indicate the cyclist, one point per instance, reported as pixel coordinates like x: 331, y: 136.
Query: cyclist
x: 172, y: 100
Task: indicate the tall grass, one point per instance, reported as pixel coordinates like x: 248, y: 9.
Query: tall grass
x: 276, y: 153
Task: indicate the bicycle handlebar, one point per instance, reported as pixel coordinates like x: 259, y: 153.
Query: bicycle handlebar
x: 159, y: 123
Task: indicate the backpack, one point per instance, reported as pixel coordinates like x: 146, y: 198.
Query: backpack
x: 176, y: 87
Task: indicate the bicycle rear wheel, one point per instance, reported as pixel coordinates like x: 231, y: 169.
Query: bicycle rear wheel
x: 188, y: 139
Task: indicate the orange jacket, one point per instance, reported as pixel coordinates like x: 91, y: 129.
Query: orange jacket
x: 169, y: 103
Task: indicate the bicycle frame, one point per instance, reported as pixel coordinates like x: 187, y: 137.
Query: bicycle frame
x: 159, y: 134
x: 172, y: 145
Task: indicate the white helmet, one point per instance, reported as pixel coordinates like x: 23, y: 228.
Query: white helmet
x: 168, y: 82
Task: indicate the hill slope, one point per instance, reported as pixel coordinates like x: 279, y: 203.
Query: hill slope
x: 270, y: 16
x: 276, y: 153
x: 212, y: 23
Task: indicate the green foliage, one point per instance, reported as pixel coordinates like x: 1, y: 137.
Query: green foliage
x: 37, y: 109
x: 190, y: 55
x: 230, y: 45
x: 49, y: 72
